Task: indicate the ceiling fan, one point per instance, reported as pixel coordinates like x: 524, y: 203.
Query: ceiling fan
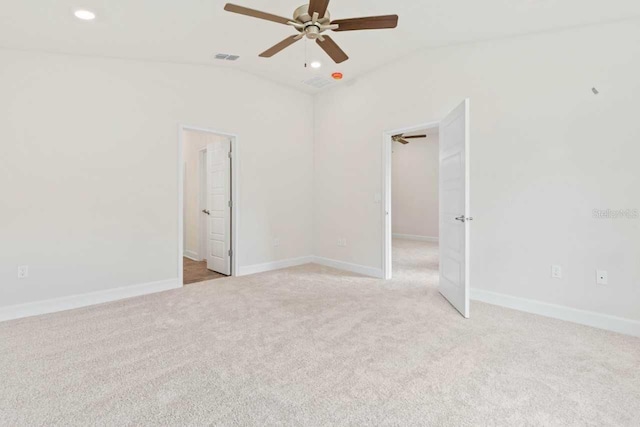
x: 311, y: 21
x: 403, y: 139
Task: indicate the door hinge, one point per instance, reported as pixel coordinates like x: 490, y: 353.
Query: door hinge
x: 230, y: 203
x: 230, y: 156
x: 230, y: 252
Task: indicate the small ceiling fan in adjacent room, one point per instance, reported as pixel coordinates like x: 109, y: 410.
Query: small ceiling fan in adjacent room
x: 403, y: 139
x: 312, y: 21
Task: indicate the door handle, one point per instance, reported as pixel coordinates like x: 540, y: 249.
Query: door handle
x: 463, y: 219
x: 206, y: 211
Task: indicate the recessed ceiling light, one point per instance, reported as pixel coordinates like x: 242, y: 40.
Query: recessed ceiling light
x: 316, y: 64
x: 85, y: 15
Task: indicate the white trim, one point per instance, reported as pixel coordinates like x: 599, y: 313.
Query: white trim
x: 467, y: 203
x: 274, y: 265
x: 415, y: 237
x: 181, y: 171
x: 583, y: 317
x: 386, y: 192
x: 235, y: 196
x: 84, y: 300
x: 192, y: 255
x: 387, y: 252
x: 354, y: 268
x: 292, y: 262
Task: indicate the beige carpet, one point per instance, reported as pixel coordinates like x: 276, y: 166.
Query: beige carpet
x: 314, y: 346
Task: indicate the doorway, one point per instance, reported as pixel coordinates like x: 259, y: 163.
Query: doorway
x: 208, y: 194
x: 414, y: 225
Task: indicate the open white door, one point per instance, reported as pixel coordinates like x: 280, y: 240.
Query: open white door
x: 454, y: 208
x: 219, y: 206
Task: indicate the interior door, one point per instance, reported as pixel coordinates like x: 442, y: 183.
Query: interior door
x: 454, y: 208
x: 219, y: 206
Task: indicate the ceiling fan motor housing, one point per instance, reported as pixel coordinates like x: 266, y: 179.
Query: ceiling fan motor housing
x: 310, y: 29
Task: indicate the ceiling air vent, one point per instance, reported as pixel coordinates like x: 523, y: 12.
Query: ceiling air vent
x: 226, y: 57
x: 318, y: 82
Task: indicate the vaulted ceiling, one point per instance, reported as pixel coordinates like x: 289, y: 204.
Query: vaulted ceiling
x: 193, y: 31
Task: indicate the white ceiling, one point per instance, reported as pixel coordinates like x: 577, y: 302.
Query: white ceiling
x: 192, y: 31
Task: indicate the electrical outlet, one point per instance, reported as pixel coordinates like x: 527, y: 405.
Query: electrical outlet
x: 23, y: 271
x: 342, y: 242
x: 602, y: 278
x: 276, y: 241
x: 556, y: 272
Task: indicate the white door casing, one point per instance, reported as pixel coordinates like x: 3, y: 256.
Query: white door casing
x: 454, y: 208
x: 219, y: 206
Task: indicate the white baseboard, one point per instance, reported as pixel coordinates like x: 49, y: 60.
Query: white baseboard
x: 274, y: 265
x: 583, y: 317
x: 354, y: 268
x: 83, y: 300
x: 415, y: 237
x: 191, y: 255
x: 292, y: 262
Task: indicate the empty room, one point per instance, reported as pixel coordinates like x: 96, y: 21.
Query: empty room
x: 332, y: 213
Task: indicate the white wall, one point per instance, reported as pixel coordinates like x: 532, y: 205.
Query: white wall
x: 414, y: 187
x: 89, y: 168
x: 193, y: 142
x: 545, y: 152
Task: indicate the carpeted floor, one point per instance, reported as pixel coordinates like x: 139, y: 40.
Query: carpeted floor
x: 314, y: 346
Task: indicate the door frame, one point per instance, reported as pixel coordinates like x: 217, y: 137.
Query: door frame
x: 235, y: 196
x: 386, y: 212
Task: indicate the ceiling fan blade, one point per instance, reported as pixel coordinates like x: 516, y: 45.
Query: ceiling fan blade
x: 319, y: 6
x: 402, y: 141
x: 332, y: 49
x: 367, y: 23
x: 415, y: 136
x: 280, y: 46
x: 255, y: 13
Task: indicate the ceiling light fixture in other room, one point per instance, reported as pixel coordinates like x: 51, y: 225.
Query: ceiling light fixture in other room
x: 85, y: 15
x: 316, y: 64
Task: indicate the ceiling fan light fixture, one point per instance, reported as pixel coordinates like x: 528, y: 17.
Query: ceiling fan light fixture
x: 84, y: 15
x: 337, y: 76
x: 313, y: 21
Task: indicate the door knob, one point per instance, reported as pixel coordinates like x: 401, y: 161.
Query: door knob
x: 463, y: 219
x: 206, y: 211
